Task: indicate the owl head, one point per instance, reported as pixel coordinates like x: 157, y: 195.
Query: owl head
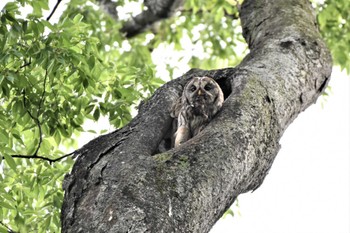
x: 203, y: 95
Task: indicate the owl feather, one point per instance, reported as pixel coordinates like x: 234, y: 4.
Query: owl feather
x: 201, y: 99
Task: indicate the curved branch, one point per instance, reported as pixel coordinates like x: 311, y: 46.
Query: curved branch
x: 120, y: 183
x: 36, y: 120
x: 156, y: 10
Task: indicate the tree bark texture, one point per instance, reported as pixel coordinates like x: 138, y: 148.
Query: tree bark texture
x: 120, y: 183
x: 156, y: 11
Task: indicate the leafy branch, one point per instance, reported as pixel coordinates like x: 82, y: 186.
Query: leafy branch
x: 9, y: 230
x: 47, y: 19
x: 38, y: 124
x: 36, y: 119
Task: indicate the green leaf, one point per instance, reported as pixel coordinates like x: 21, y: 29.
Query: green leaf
x: 3, y: 229
x: 57, y: 137
x: 46, y: 224
x: 10, y: 161
x: 4, y: 137
x: 96, y: 114
x: 91, y: 62
x: 18, y: 137
x: 89, y: 108
x: 78, y: 18
x: 6, y: 205
x: 11, y: 6
x: 229, y: 212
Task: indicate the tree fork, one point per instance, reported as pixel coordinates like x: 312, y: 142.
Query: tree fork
x: 120, y: 184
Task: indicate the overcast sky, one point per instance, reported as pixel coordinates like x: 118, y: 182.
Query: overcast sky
x: 307, y: 189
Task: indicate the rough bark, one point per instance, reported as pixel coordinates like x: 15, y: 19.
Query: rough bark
x: 155, y: 11
x: 120, y: 184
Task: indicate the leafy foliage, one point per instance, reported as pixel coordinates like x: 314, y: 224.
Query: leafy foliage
x: 58, y: 77
x: 53, y: 77
x: 333, y: 18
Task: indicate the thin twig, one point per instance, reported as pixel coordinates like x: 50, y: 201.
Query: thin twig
x: 38, y: 114
x: 36, y: 119
x: 44, y: 157
x: 25, y: 64
x: 53, y: 10
x: 37, y: 122
x: 7, y: 227
x: 44, y: 92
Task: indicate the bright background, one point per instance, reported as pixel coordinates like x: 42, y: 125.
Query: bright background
x: 307, y: 189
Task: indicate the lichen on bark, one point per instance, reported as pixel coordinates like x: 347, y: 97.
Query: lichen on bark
x: 120, y: 184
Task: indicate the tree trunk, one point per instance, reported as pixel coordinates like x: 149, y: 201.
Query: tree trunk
x: 120, y: 184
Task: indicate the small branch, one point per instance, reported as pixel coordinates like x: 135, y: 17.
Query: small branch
x: 37, y: 122
x: 36, y: 119
x: 44, y: 157
x: 24, y: 65
x: 7, y: 227
x: 53, y: 10
x: 42, y: 94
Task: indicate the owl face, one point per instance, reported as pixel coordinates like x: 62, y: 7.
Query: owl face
x: 203, y: 95
x: 201, y: 90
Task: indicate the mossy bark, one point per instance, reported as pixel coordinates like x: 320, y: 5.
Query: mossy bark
x: 120, y: 184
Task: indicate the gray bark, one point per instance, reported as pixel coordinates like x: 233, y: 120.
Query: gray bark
x: 120, y: 184
x: 155, y: 11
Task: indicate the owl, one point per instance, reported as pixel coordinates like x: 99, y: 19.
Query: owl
x: 201, y: 99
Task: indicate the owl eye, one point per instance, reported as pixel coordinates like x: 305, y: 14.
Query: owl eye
x: 193, y: 88
x: 208, y: 87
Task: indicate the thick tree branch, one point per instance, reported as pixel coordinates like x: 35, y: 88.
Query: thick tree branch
x: 120, y: 183
x: 156, y: 10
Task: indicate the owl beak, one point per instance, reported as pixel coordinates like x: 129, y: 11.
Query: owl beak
x: 199, y: 92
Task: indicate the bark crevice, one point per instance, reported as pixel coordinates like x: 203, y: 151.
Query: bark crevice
x: 121, y: 183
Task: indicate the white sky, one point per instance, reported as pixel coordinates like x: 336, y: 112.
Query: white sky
x: 307, y: 189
